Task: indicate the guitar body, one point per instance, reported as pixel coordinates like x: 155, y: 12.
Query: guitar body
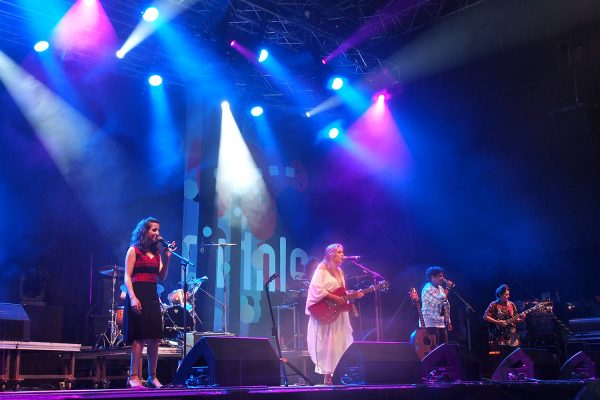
x: 423, y: 342
x: 326, y: 311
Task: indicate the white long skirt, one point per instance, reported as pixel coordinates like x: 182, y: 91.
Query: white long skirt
x: 327, y: 342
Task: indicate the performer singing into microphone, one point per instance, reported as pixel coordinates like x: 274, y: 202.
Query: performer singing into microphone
x: 328, y: 341
x: 435, y: 306
x: 142, y: 323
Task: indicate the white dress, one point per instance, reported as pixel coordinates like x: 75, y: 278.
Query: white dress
x: 326, y: 342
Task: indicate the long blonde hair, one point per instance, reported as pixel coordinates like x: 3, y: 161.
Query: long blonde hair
x: 329, y: 253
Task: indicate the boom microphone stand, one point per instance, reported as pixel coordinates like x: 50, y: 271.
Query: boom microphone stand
x: 184, y: 264
x: 468, y: 309
x: 374, y: 276
x: 282, y: 361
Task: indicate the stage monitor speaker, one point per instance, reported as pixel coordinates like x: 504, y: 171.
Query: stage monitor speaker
x: 451, y: 362
x: 378, y: 363
x: 524, y: 364
x: 14, y: 322
x: 230, y: 361
x: 583, y: 365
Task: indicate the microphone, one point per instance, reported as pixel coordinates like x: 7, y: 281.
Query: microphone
x: 165, y: 243
x: 445, y: 282
x: 352, y: 257
x: 272, y: 278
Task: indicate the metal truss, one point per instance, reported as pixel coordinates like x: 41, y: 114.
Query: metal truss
x: 318, y: 27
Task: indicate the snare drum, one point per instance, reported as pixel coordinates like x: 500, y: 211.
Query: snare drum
x: 176, y: 297
x: 119, y: 315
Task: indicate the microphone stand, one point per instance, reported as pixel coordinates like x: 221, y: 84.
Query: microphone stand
x: 184, y: 264
x: 282, y: 361
x: 374, y: 276
x: 224, y: 303
x: 468, y: 309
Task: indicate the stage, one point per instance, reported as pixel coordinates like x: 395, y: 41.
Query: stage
x: 464, y: 390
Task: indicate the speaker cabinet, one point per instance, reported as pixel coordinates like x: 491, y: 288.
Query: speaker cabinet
x: 583, y: 365
x: 14, y: 322
x: 451, y: 362
x: 46, y: 323
x: 230, y: 361
x: 378, y: 363
x: 523, y: 364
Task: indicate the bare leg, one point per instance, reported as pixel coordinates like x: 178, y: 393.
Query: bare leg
x: 134, y: 367
x: 327, y: 380
x: 152, y: 362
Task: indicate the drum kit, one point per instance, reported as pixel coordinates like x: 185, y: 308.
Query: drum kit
x: 176, y: 318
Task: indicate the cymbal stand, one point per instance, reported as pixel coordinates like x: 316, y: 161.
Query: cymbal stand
x: 193, y: 313
x: 114, y: 333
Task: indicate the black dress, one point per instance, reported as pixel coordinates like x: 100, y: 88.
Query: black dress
x: 148, y: 324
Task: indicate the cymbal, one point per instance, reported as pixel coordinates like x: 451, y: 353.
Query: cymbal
x: 106, y: 267
x: 118, y: 271
x: 195, y: 281
x: 159, y: 288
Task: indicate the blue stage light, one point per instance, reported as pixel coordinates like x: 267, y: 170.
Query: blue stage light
x: 151, y: 14
x: 337, y: 83
x: 256, y: 111
x: 40, y: 46
x: 155, y: 80
x: 264, y: 54
x: 225, y: 104
x: 333, y: 133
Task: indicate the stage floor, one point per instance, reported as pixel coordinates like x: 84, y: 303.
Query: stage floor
x: 484, y: 390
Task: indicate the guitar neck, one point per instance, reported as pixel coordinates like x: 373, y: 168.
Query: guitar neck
x: 421, y: 319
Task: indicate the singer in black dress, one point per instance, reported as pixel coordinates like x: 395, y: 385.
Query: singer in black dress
x: 142, y: 323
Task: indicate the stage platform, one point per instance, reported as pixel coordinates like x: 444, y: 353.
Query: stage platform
x: 484, y: 390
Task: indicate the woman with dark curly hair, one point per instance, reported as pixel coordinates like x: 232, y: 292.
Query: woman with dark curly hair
x: 142, y: 322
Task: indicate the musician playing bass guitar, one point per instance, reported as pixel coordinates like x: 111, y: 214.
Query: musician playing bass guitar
x: 435, y: 306
x: 328, y: 339
x: 502, y: 316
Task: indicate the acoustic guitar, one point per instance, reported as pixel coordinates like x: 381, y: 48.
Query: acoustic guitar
x: 422, y: 341
x: 326, y: 310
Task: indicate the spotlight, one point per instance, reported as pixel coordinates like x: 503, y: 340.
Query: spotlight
x: 120, y: 53
x: 264, y: 54
x: 308, y: 114
x: 40, y: 46
x: 324, y: 61
x: 225, y: 104
x: 337, y: 83
x: 333, y: 133
x: 256, y: 111
x: 232, y: 43
x: 381, y: 98
x: 155, y: 80
x: 151, y: 14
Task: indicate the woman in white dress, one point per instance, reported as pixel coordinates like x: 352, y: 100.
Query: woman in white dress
x: 328, y: 341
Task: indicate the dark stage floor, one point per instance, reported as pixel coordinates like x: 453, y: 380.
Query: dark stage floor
x: 465, y: 390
